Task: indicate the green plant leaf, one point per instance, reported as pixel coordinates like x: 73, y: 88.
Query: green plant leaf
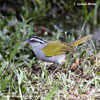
x: 4, y: 83
x: 15, y: 50
x: 51, y: 93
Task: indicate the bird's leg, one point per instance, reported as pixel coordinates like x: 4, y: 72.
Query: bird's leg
x: 57, y: 69
x: 51, y: 66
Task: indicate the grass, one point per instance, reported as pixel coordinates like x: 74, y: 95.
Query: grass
x: 24, y: 77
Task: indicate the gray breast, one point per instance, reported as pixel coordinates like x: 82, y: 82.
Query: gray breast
x: 37, y: 49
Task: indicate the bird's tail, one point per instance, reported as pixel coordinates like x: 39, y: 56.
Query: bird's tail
x: 82, y: 40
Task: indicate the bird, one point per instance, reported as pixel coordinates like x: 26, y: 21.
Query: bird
x: 53, y: 51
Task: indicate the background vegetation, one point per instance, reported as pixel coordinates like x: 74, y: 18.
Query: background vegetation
x: 23, y: 76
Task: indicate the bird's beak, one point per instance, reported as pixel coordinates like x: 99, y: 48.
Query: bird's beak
x: 26, y: 41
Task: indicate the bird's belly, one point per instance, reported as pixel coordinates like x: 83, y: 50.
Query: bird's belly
x: 55, y: 59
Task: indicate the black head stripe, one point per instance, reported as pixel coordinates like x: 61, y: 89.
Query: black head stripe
x: 37, y: 39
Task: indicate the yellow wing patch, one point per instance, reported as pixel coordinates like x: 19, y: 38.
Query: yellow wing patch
x: 56, y: 48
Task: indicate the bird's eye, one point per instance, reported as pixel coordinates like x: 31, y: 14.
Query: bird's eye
x: 31, y: 40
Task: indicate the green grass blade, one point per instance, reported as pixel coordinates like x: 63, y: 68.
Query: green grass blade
x: 18, y: 30
x: 51, y: 93
x: 20, y: 93
x: 3, y: 66
x: 4, y: 83
x: 15, y: 50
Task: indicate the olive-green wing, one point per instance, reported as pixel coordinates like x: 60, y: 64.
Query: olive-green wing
x: 56, y: 48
